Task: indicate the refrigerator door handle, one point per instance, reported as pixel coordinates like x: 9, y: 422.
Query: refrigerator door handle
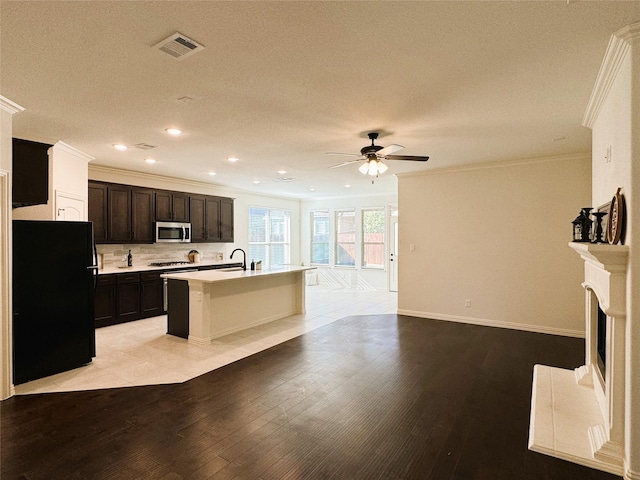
x: 94, y: 265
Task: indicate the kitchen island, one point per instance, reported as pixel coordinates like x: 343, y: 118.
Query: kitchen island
x: 210, y: 304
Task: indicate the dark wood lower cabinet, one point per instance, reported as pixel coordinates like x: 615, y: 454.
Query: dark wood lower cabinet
x: 124, y: 297
x: 151, y: 291
x: 105, y: 301
x: 128, y: 302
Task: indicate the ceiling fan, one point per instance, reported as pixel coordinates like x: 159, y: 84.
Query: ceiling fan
x: 373, y: 156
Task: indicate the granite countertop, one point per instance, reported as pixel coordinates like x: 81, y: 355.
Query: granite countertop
x: 147, y: 268
x: 213, y: 276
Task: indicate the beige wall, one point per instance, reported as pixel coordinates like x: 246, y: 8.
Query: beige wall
x: 497, y: 236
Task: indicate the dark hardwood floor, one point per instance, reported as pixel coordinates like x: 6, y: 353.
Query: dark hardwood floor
x: 367, y: 397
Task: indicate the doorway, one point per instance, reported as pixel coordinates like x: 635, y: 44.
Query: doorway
x: 392, y: 264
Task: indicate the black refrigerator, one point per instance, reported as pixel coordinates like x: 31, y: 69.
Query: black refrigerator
x: 54, y: 275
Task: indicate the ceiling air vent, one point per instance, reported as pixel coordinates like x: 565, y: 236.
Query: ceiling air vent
x: 144, y: 146
x: 179, y: 46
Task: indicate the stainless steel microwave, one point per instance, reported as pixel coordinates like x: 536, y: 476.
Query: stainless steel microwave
x: 175, y: 232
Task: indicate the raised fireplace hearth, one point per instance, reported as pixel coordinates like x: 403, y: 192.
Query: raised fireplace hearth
x: 579, y: 415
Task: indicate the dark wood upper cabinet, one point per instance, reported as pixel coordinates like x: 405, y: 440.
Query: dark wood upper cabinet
x: 226, y: 220
x: 98, y: 202
x: 197, y: 216
x: 30, y: 173
x: 119, y: 214
x: 180, y: 207
x: 142, y: 215
x: 213, y: 219
x: 127, y: 214
x: 164, y: 207
x: 172, y: 206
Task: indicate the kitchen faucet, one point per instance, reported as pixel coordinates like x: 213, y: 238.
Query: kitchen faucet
x: 244, y: 257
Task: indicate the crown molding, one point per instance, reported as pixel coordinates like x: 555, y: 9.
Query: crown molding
x: 9, y: 106
x: 619, y: 47
x: 95, y: 172
x: 492, y: 165
x: 73, y: 151
x: 100, y: 169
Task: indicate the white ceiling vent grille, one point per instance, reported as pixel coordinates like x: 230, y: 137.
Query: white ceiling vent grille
x: 179, y: 46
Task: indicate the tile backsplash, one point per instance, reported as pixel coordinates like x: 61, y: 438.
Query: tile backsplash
x: 113, y: 255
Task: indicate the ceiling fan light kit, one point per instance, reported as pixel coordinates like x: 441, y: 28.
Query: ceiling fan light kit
x: 373, y: 167
x: 373, y: 156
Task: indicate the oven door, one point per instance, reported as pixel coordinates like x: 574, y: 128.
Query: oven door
x: 173, y: 232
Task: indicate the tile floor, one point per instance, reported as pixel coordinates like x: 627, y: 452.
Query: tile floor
x: 141, y: 352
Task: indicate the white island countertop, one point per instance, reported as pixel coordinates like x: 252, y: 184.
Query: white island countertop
x: 222, y: 275
x: 149, y: 268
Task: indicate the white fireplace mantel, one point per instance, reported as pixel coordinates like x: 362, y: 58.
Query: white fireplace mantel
x: 605, y: 272
x: 579, y: 415
x: 607, y: 257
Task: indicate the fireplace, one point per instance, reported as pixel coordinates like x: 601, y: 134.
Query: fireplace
x: 579, y: 415
x: 601, y: 343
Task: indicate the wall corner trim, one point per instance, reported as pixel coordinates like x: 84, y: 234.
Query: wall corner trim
x: 9, y: 106
x: 619, y: 45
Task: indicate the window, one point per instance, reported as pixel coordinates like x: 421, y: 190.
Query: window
x: 269, y: 236
x: 346, y: 238
x: 373, y: 227
x: 320, y: 237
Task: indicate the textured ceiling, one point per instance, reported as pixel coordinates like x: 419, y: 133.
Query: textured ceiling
x: 279, y: 84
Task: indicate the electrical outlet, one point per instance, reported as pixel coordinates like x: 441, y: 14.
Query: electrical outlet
x: 467, y: 303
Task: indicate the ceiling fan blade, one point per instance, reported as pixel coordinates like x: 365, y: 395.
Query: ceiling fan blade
x: 344, y: 163
x: 406, y: 157
x: 344, y: 154
x: 388, y: 149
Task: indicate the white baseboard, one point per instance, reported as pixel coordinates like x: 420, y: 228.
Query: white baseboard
x: 565, y: 332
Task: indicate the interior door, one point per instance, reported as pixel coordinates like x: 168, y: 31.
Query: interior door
x: 70, y: 207
x: 393, y: 250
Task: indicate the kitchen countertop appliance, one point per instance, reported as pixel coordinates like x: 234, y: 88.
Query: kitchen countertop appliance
x: 53, y: 300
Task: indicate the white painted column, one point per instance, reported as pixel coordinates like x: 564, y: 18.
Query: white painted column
x: 632, y: 394
x: 7, y: 110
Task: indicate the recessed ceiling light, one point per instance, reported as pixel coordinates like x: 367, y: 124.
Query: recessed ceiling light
x: 173, y: 131
x: 347, y: 186
x: 312, y: 189
x: 282, y: 172
x: 256, y: 182
x: 212, y: 173
x: 233, y: 159
x: 119, y: 147
x: 150, y: 160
